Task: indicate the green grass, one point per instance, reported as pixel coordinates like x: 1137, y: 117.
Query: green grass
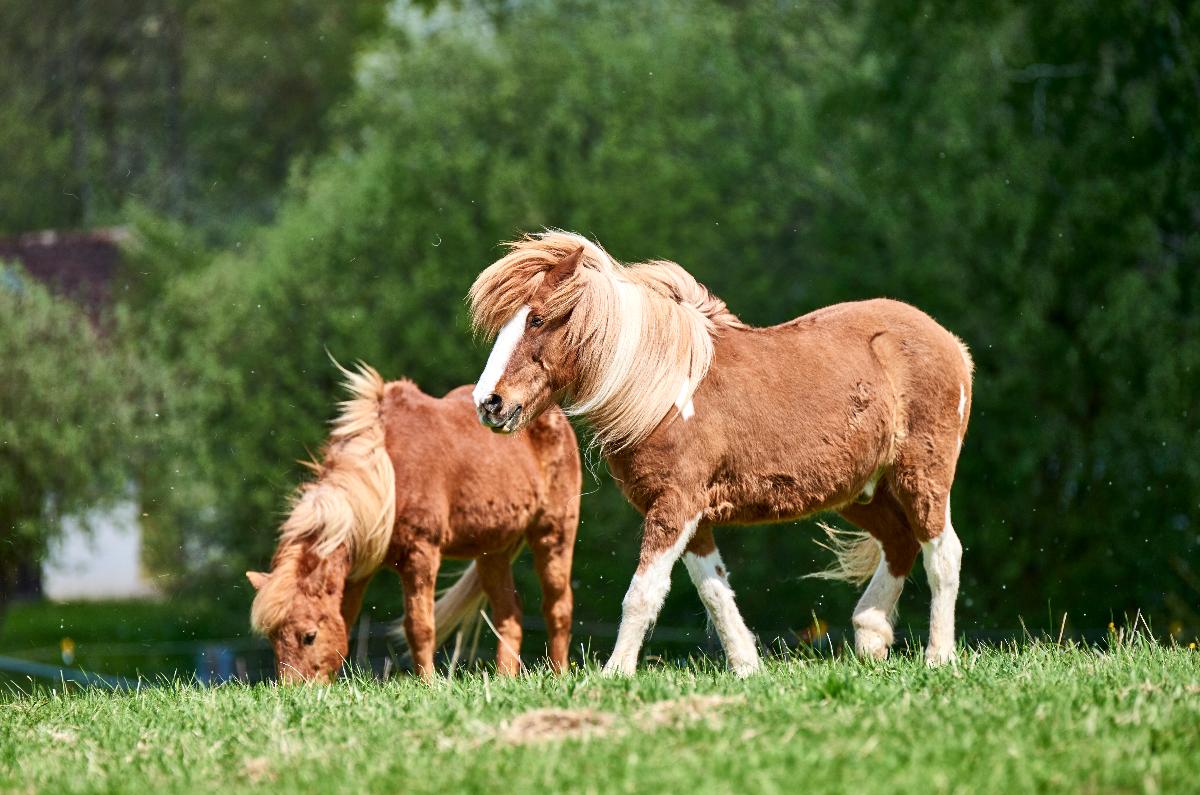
x: 1039, y: 718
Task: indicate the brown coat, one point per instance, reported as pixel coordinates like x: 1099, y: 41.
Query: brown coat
x: 406, y: 480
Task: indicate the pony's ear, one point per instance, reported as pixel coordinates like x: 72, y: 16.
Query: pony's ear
x: 258, y: 579
x: 562, y: 270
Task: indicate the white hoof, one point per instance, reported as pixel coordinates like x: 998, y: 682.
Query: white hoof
x: 937, y: 656
x: 744, y: 667
x: 618, y: 667
x: 871, y: 644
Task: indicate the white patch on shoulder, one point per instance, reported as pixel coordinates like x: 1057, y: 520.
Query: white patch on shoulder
x: 683, y: 402
x: 506, y: 342
x: 962, y: 400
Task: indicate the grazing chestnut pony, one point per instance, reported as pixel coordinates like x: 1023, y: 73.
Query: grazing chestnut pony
x: 407, y: 479
x: 859, y: 408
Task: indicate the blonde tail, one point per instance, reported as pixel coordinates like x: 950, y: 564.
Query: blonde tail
x: 856, y: 555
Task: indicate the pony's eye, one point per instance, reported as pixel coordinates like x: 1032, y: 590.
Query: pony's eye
x: 536, y: 321
x: 310, y: 638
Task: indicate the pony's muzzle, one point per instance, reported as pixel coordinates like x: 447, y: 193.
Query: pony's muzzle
x: 495, y: 415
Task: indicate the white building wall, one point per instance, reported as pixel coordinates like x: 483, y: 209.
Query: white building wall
x: 103, y: 564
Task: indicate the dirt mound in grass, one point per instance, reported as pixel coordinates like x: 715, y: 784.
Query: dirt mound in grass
x: 552, y: 723
x: 541, y: 725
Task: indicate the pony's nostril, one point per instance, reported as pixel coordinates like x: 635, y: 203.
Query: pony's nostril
x: 492, y: 402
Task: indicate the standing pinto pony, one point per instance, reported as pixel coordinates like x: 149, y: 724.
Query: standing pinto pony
x: 407, y: 479
x: 859, y: 408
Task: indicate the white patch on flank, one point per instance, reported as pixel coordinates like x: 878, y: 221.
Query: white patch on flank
x: 712, y: 583
x: 506, y: 342
x: 943, y: 561
x: 875, y: 611
x: 647, y: 591
x: 868, y: 492
x: 962, y: 400
x: 684, y: 401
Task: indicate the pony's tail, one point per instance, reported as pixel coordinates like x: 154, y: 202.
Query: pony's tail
x: 856, y: 555
x: 458, y: 607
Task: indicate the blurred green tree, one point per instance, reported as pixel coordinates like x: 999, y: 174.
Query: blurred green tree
x: 1023, y: 172
x: 66, y: 420
x: 196, y: 110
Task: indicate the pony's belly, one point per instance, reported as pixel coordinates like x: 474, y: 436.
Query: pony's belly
x: 776, y: 498
x: 486, y: 526
x: 472, y: 544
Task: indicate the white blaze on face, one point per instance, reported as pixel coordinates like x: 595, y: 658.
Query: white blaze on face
x: 962, y: 400
x: 506, y: 342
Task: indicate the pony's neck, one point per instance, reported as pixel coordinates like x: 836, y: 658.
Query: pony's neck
x: 645, y: 338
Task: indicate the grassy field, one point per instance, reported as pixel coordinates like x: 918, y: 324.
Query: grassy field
x: 1039, y: 718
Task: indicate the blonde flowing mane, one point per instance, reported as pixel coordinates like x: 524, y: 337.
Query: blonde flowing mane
x: 351, y: 504
x: 643, y: 332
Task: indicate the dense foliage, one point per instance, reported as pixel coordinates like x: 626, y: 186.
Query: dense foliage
x: 196, y: 109
x: 1027, y: 175
x: 1026, y: 172
x: 65, y: 419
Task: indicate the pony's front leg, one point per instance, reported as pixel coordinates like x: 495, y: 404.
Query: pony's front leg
x: 418, y: 575
x: 711, y: 578
x: 664, y: 538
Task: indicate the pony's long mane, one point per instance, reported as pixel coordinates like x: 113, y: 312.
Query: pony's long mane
x: 350, y: 504
x: 643, y: 332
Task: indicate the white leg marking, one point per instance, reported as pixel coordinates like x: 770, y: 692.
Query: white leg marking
x: 875, y: 611
x: 962, y: 400
x: 684, y: 402
x: 647, y: 591
x: 943, y: 560
x: 711, y: 580
x: 506, y: 343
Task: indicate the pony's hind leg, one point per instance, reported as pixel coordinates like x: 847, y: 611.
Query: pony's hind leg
x: 875, y: 612
x: 495, y: 574
x: 664, y: 536
x: 711, y: 578
x: 553, y: 547
x: 926, y: 502
x: 943, y: 562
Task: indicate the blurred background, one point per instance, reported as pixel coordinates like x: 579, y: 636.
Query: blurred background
x: 198, y: 200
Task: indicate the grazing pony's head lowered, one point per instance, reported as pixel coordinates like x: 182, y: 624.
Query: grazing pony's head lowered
x: 299, y: 607
x: 335, y: 536
x: 620, y: 344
